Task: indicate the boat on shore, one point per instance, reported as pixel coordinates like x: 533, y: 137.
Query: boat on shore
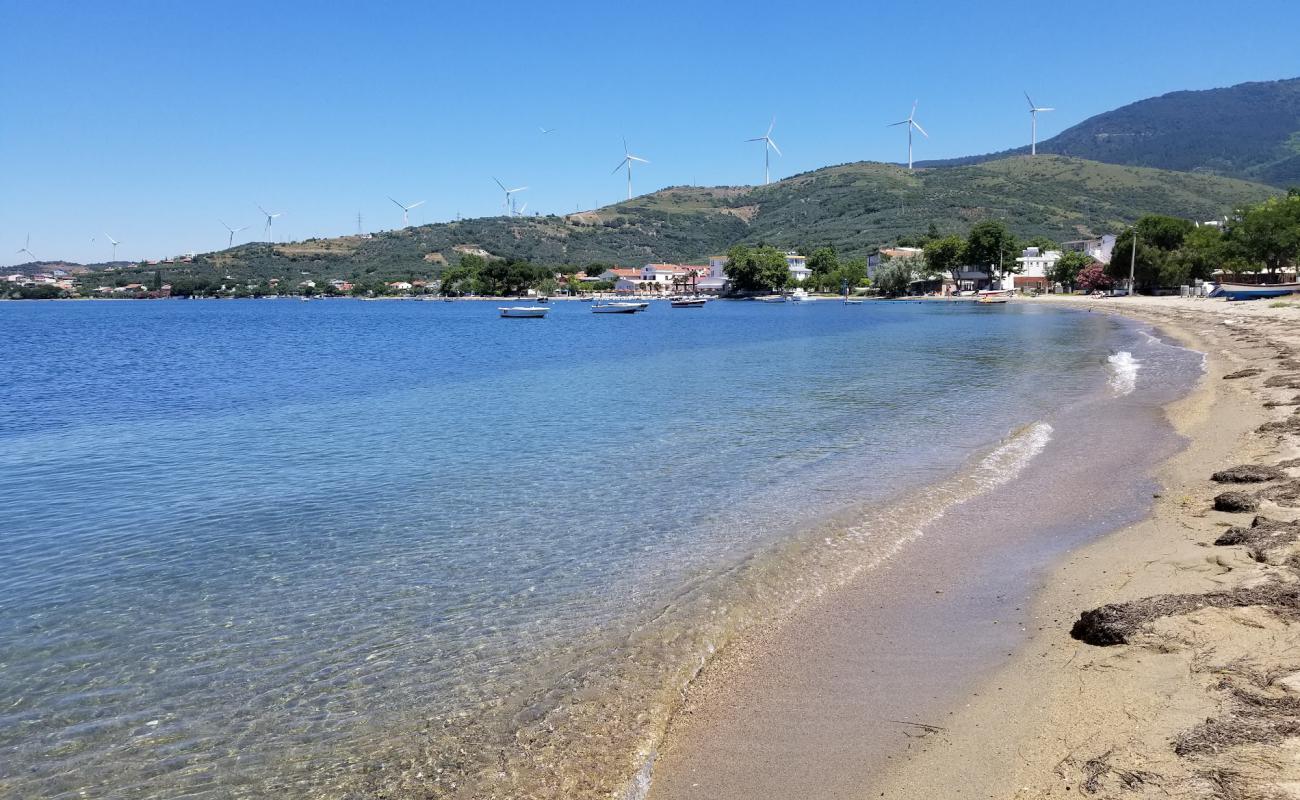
x: 1254, y: 291
x: 523, y: 312
x: 993, y: 296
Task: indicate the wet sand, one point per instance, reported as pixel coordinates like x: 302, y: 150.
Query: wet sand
x: 845, y: 699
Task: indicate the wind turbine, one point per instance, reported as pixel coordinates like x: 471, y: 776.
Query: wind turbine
x: 520, y: 212
x: 113, y: 242
x: 230, y: 242
x: 766, y: 139
x: 24, y: 248
x: 628, y: 158
x: 269, y: 217
x: 911, y: 123
x: 406, y: 210
x: 1033, y: 125
x: 509, y: 203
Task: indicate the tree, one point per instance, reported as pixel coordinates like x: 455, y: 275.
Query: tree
x: 1093, y: 277
x: 1202, y: 252
x: 757, y: 269
x: 945, y: 255
x: 1268, y: 234
x: 1163, y: 232
x: 990, y: 245
x: 1068, y: 267
x: 894, y: 277
x: 823, y: 261
x: 1146, y: 270
x: 1043, y: 244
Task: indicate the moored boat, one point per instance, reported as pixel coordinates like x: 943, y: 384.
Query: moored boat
x: 688, y: 302
x: 1254, y: 291
x: 850, y: 301
x: 523, y: 312
x: 618, y: 308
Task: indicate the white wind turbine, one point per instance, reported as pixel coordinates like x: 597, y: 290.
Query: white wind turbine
x: 766, y: 139
x: 269, y: 216
x: 25, y: 248
x: 115, y: 243
x: 1033, y: 125
x: 628, y: 158
x: 521, y: 210
x: 406, y: 210
x: 230, y: 241
x: 911, y: 123
x: 509, y: 202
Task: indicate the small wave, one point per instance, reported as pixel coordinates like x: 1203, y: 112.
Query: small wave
x: 1124, y: 372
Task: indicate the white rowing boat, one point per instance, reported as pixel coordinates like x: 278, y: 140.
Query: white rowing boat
x: 523, y: 312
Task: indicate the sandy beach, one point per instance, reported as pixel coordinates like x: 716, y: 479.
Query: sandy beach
x: 1187, y: 686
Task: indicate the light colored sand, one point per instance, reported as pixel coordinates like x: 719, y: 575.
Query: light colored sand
x: 1075, y: 710
x: 1056, y: 711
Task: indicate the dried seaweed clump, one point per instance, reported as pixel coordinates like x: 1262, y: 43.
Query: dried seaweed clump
x: 1249, y: 473
x: 1116, y: 623
x: 1236, y: 502
x: 1248, y: 372
x: 1262, y: 537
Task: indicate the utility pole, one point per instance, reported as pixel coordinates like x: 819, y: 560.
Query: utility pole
x: 358, y: 223
x: 1132, y: 265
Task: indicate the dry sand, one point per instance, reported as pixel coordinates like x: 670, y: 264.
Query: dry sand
x: 1200, y: 703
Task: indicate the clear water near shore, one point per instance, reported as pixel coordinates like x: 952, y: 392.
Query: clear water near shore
x: 313, y: 549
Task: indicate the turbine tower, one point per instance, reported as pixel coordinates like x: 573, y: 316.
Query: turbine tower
x: 628, y: 158
x: 269, y: 216
x: 1033, y: 125
x: 766, y: 139
x: 24, y: 248
x: 509, y: 202
x: 911, y: 123
x: 230, y: 242
x: 115, y: 243
x: 406, y: 210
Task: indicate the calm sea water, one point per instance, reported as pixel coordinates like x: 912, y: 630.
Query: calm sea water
x: 312, y: 549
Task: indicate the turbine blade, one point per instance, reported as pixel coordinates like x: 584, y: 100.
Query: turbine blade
x: 759, y: 139
x: 893, y: 124
x: 520, y: 189
x: 263, y: 210
x: 415, y: 205
x: 638, y: 158
x: 502, y: 185
x: 399, y: 205
x: 1031, y: 102
x: 1044, y: 109
x: 917, y: 125
x: 774, y: 147
x: 915, y: 103
x: 620, y: 165
x: 770, y: 126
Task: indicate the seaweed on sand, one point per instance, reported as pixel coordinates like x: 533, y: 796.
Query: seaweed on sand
x: 1248, y: 372
x: 1236, y: 502
x: 1248, y: 473
x: 1262, y: 537
x: 1116, y: 623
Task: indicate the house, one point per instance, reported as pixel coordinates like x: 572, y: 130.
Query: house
x: 400, y: 286
x: 1035, y: 267
x: 798, y: 266
x: 17, y: 277
x: 662, y: 275
x: 1099, y: 248
x: 618, y: 273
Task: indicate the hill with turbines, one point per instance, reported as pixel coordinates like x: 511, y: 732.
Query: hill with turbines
x: 854, y: 207
x: 1249, y: 131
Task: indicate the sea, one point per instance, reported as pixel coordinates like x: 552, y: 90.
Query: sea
x: 347, y: 548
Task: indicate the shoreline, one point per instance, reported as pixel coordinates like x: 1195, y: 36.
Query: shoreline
x: 1134, y: 719
x: 948, y: 754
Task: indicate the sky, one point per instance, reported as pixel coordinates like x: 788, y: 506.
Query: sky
x: 156, y: 122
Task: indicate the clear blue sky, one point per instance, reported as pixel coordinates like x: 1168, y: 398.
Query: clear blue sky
x: 152, y: 120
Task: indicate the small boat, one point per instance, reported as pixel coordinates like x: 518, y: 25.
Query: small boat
x: 848, y: 301
x: 688, y: 302
x: 798, y: 296
x: 1254, y: 291
x: 523, y: 312
x: 772, y: 298
x: 994, y: 298
x: 618, y: 308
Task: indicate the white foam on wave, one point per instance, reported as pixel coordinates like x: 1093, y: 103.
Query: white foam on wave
x: 1124, y: 372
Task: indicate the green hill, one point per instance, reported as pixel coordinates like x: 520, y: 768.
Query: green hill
x: 1249, y: 131
x: 855, y: 207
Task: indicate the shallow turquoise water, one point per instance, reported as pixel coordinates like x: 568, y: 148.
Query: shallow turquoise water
x: 238, y: 535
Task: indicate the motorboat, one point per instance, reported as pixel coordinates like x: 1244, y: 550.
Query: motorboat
x: 523, y: 312
x: 688, y: 302
x: 852, y: 301
x: 798, y: 296
x: 618, y: 308
x: 1254, y: 291
x: 772, y: 298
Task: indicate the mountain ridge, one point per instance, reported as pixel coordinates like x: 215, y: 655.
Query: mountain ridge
x: 1249, y: 131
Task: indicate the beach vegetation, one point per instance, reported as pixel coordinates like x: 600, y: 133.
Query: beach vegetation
x: 761, y: 268
x: 946, y: 254
x: 1094, y: 278
x: 991, y: 245
x: 1067, y: 268
x: 1268, y: 233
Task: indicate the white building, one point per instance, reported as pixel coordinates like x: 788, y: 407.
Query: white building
x: 662, y: 274
x: 1035, y: 266
x: 1098, y: 249
x: 798, y: 266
